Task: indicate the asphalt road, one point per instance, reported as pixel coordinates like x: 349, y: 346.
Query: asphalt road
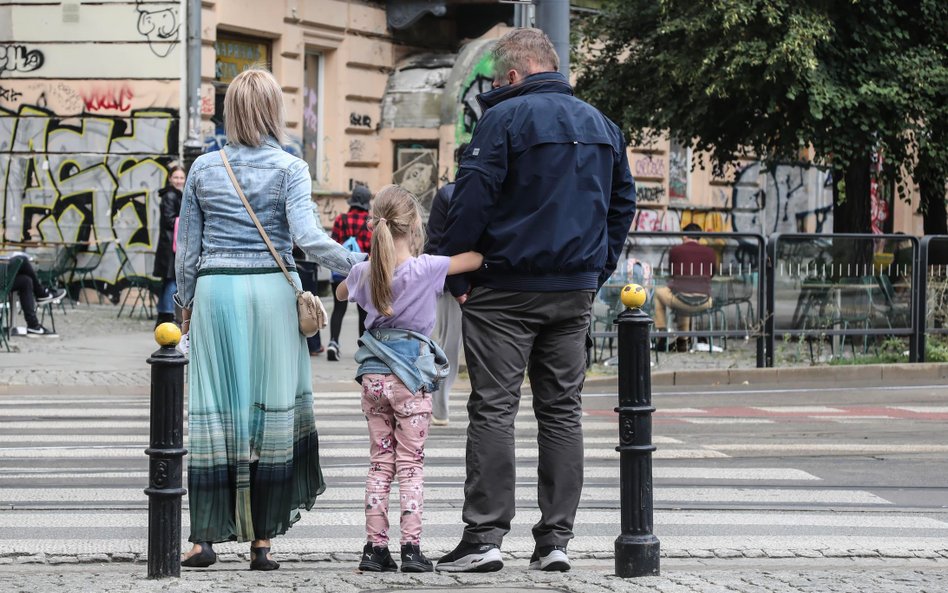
x: 777, y: 472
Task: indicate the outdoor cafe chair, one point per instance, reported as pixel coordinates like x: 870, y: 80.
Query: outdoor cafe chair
x: 85, y: 272
x: 8, y: 270
x: 144, y: 287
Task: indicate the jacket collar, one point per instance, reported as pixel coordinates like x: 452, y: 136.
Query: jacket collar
x: 543, y: 82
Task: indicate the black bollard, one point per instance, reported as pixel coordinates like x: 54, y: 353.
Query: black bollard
x: 166, y: 452
x: 637, y: 548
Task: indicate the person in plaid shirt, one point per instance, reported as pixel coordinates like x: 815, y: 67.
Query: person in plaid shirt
x: 353, y: 223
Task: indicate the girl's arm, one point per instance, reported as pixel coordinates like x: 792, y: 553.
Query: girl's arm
x: 342, y: 291
x: 465, y: 262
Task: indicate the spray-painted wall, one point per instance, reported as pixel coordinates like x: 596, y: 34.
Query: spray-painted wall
x: 89, y: 104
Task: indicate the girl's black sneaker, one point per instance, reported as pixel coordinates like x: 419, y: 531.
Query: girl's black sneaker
x: 377, y: 559
x: 413, y: 560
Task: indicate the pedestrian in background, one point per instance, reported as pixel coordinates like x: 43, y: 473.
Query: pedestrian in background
x: 32, y: 293
x: 688, y: 291
x: 170, y: 197
x: 544, y: 191
x: 351, y: 229
x: 447, y: 330
x: 399, y: 367
x: 253, y: 459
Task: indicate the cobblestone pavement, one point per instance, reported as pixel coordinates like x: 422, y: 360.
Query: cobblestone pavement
x: 787, y: 577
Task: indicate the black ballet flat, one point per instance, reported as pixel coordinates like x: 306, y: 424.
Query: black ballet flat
x: 206, y: 557
x: 259, y: 560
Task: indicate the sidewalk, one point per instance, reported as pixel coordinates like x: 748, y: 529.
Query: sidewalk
x: 106, y: 354
x: 864, y: 576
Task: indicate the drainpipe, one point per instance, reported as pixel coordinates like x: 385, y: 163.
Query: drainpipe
x: 552, y: 16
x: 193, y: 146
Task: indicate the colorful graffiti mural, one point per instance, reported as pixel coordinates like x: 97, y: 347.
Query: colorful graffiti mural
x: 478, y: 81
x: 91, y: 178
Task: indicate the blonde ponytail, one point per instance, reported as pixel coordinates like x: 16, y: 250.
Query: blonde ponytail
x: 395, y: 214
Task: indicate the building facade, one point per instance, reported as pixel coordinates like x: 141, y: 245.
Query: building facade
x: 92, y: 114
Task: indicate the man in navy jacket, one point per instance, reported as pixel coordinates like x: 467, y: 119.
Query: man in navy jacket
x: 544, y: 191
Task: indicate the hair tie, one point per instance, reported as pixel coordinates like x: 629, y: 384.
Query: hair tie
x: 382, y: 219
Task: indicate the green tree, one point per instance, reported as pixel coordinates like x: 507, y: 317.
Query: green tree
x: 772, y: 78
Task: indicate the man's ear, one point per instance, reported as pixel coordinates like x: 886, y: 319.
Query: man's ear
x: 513, y: 77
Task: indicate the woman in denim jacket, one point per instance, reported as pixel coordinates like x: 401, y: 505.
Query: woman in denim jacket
x: 254, y: 458
x: 399, y: 367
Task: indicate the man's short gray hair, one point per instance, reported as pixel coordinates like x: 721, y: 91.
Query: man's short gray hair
x: 527, y: 51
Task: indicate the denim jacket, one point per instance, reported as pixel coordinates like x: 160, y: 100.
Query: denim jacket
x: 216, y: 232
x: 412, y: 357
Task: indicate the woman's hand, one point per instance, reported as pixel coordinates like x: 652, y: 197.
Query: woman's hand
x: 185, y: 321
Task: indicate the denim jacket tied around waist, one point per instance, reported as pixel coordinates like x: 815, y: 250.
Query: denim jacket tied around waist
x: 414, y: 358
x: 215, y: 231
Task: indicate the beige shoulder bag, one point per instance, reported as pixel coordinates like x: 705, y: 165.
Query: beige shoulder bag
x: 312, y: 314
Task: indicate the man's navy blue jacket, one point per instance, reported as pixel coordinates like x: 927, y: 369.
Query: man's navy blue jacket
x: 544, y: 191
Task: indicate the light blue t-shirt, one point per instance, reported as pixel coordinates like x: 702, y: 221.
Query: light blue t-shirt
x: 416, y: 285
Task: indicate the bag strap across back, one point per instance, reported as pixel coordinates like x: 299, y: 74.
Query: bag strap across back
x: 263, y: 233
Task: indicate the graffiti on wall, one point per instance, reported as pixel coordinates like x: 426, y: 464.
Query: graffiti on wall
x: 90, y: 178
x: 478, y: 81
x: 15, y: 57
x: 159, y: 27
x: 782, y: 199
x: 105, y: 99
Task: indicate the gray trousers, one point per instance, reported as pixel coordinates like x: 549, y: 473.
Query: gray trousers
x: 505, y: 335
x: 447, y: 334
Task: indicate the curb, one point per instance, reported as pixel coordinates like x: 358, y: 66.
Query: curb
x: 352, y: 557
x: 872, y: 374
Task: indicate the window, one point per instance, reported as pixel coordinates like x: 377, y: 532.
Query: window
x: 312, y: 109
x: 234, y: 54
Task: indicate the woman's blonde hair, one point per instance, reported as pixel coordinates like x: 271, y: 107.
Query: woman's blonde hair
x: 395, y: 214
x: 253, y: 108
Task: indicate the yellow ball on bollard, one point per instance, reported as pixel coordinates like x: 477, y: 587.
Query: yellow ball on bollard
x: 633, y: 296
x: 167, y: 335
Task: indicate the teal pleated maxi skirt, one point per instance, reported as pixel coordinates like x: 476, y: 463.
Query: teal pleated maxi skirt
x: 253, y: 451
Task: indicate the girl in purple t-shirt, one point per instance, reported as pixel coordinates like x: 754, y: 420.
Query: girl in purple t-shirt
x: 398, y: 288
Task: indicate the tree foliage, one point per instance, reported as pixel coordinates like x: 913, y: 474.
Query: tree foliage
x: 771, y: 78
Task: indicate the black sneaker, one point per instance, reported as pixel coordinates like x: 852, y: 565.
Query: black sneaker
x: 550, y: 558
x: 377, y: 559
x: 40, y: 332
x: 468, y: 557
x: 332, y: 352
x: 413, y: 560
x: 52, y: 296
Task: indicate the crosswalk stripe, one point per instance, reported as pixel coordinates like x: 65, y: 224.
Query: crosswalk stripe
x: 440, y: 493
x: 69, y: 452
x: 850, y: 419
x: 449, y: 471
x: 60, y: 425
x: 830, y: 448
x: 727, y: 420
x: 798, y: 409
x: 142, y: 439
x: 922, y: 409
x: 524, y: 516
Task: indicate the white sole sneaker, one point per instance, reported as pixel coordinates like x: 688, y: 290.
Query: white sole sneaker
x: 555, y: 561
x: 489, y: 561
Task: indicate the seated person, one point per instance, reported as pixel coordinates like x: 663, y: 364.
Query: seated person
x: 689, y: 287
x: 33, y: 293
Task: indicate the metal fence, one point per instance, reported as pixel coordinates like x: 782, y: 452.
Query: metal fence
x: 735, y: 304
x: 844, y: 292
